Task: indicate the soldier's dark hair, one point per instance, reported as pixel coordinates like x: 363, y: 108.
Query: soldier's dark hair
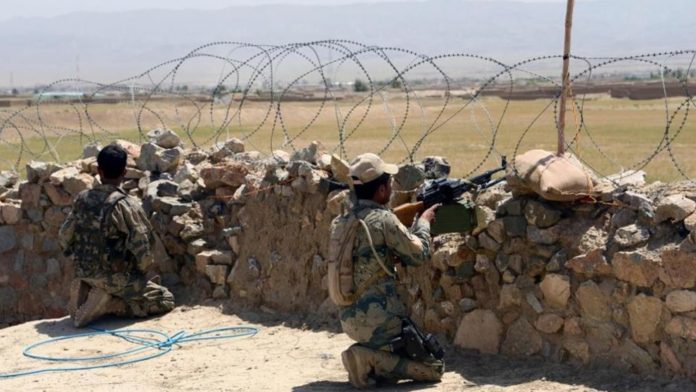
x: 367, y: 191
x: 112, y: 161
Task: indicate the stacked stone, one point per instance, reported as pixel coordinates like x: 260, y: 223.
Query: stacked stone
x: 610, y: 283
x: 33, y: 272
x: 199, y: 209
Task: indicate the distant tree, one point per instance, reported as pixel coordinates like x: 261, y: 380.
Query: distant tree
x: 395, y: 83
x: 359, y: 86
x: 219, y: 90
x: 15, y: 91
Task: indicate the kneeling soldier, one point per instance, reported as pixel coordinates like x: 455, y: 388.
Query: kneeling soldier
x: 389, y: 348
x: 111, y: 241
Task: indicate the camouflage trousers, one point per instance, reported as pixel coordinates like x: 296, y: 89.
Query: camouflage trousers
x: 374, y: 321
x: 137, y: 298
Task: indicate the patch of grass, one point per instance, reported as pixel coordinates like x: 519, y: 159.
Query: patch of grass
x: 627, y: 132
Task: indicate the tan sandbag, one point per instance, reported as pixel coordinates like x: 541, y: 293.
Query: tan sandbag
x: 551, y: 177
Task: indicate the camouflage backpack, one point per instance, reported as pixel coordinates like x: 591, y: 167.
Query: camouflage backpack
x: 342, y: 290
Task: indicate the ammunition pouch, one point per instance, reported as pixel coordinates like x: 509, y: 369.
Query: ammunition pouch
x: 415, y: 345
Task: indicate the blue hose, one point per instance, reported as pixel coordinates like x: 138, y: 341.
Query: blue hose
x: 160, y: 346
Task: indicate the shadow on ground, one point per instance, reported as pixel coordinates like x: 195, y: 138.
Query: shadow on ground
x: 64, y: 326
x: 476, y: 369
x: 484, y: 371
x: 497, y: 370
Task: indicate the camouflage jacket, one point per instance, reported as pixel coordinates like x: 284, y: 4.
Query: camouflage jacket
x: 392, y: 241
x: 109, y: 235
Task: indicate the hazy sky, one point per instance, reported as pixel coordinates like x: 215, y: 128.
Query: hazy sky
x: 48, y: 8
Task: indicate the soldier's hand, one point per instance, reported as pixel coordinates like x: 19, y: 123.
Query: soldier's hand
x: 429, y: 214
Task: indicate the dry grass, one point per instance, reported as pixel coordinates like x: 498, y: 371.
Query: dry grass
x: 626, y: 131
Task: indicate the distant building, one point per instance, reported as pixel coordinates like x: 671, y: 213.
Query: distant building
x: 65, y: 96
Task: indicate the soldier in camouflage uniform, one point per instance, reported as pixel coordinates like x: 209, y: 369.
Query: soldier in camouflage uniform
x: 111, y: 240
x: 376, y: 318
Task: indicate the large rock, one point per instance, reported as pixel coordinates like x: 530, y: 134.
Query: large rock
x: 556, y: 289
x: 41, y: 171
x: 487, y: 242
x: 57, y: 195
x: 690, y: 222
x: 678, y: 268
x: 522, y: 339
x: 59, y: 176
x: 186, y: 171
x: 593, y: 303
x: 79, y: 183
x: 133, y: 150
x: 409, y: 177
x: 645, y: 314
x: 8, y: 179
x: 577, y: 348
x: 309, y: 154
x: 154, y: 158
x: 165, y: 138
x: 510, y: 297
x: 228, y: 149
x: 30, y: 194
x: 447, y: 256
x: 217, y: 273
x: 683, y: 327
x: 549, y: 323
x: 631, y: 235
x: 480, y: 330
x: 224, y: 174
x: 543, y: 236
x: 639, y: 268
x: 212, y: 257
x: 496, y: 230
x: 681, y: 301
x: 590, y: 264
x: 540, y: 214
x: 624, y: 217
x: 669, y: 358
x: 8, y: 238
x: 674, y: 208
x: 515, y: 226
x: 11, y: 213
x: 91, y: 150
x: 639, y: 359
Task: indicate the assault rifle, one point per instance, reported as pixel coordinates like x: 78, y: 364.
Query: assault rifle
x: 447, y: 191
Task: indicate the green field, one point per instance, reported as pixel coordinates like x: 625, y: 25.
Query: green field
x: 627, y: 132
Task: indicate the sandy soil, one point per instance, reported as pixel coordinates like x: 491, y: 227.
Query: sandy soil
x: 283, y: 356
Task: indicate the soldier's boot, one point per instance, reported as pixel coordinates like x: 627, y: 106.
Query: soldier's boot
x: 78, y: 295
x: 94, y: 307
x: 358, y: 363
x: 408, y: 369
x: 367, y: 367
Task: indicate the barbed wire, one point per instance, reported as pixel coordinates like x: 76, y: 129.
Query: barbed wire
x: 349, y: 95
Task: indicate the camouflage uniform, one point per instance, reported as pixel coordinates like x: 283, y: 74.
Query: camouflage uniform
x: 111, y: 241
x: 376, y: 317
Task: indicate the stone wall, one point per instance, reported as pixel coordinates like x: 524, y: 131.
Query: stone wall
x: 608, y: 282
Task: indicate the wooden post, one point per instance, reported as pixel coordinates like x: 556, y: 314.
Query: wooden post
x: 565, y: 77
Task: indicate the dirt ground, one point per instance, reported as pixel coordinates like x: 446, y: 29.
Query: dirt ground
x: 283, y: 356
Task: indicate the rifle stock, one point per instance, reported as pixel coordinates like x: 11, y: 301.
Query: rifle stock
x: 407, y: 212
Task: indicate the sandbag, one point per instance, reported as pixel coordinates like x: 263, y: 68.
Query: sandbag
x: 552, y: 177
